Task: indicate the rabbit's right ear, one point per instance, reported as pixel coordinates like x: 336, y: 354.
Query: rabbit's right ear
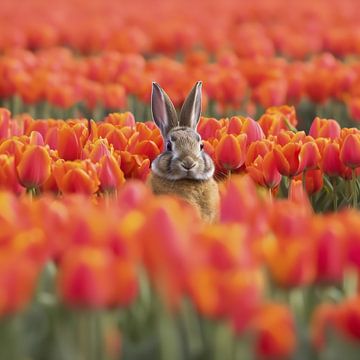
x: 162, y: 110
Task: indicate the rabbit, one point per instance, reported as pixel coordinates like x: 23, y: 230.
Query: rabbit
x: 184, y: 168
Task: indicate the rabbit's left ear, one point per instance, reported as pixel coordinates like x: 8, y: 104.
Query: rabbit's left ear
x: 191, y: 109
x: 162, y: 110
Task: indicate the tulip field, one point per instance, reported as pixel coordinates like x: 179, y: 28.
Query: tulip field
x: 94, y: 266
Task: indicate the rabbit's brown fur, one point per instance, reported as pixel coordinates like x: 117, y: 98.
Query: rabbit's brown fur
x: 202, y: 194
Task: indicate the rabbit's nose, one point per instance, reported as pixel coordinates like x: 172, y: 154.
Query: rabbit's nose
x: 188, y: 163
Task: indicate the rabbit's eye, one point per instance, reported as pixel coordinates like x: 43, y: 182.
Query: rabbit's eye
x: 168, y: 146
x: 201, y: 146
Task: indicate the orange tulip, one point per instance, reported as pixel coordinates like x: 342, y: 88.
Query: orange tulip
x: 287, y: 159
x: 110, y: 175
x: 12, y: 146
x: 121, y: 119
x: 275, y: 335
x: 117, y: 138
x: 208, y: 128
x: 18, y: 277
x: 257, y: 148
x: 313, y: 181
x: 327, y: 128
x: 125, y: 277
x: 77, y: 176
x: 4, y: 123
x: 147, y: 148
x: 68, y: 143
x: 230, y: 152
x: 8, y: 176
x: 34, y: 166
x: 96, y: 150
x: 350, y: 151
x: 235, y: 125
x: 264, y: 171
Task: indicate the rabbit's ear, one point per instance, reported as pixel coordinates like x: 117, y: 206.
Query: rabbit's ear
x: 191, y: 109
x: 162, y: 110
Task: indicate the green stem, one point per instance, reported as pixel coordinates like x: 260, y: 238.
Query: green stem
x: 335, y: 197
x: 354, y: 189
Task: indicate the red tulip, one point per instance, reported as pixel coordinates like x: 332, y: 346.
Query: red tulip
x: 230, y: 152
x: 309, y: 156
x: 253, y: 131
x: 275, y: 334
x: 350, y: 151
x: 331, y: 163
x: 84, y: 277
x: 110, y: 175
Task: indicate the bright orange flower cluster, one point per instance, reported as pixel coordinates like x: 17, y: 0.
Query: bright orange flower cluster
x: 98, y: 247
x: 84, y: 156
x: 113, y: 80
x: 296, y: 29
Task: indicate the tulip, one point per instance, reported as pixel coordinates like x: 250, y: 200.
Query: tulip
x: 230, y: 152
x: 78, y: 176
x: 287, y: 159
x: 313, y: 181
x: 235, y: 125
x: 110, y: 175
x: 14, y: 147
x: 68, y: 143
x: 84, y: 277
x: 18, y: 277
x: 349, y: 318
x: 4, y: 123
x: 114, y: 96
x: 331, y: 163
x: 96, y: 150
x: 350, y: 151
x: 257, y: 148
x: 8, y: 176
x: 34, y: 166
x: 331, y: 250
x: 309, y: 156
x: 147, y: 148
x: 327, y: 128
x: 275, y: 336
x: 117, y: 138
x: 264, y: 171
x: 121, y: 119
x: 208, y: 127
x: 253, y: 131
x: 125, y: 287
x: 353, y: 107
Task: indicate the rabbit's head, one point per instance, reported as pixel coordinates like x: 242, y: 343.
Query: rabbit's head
x: 183, y: 156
